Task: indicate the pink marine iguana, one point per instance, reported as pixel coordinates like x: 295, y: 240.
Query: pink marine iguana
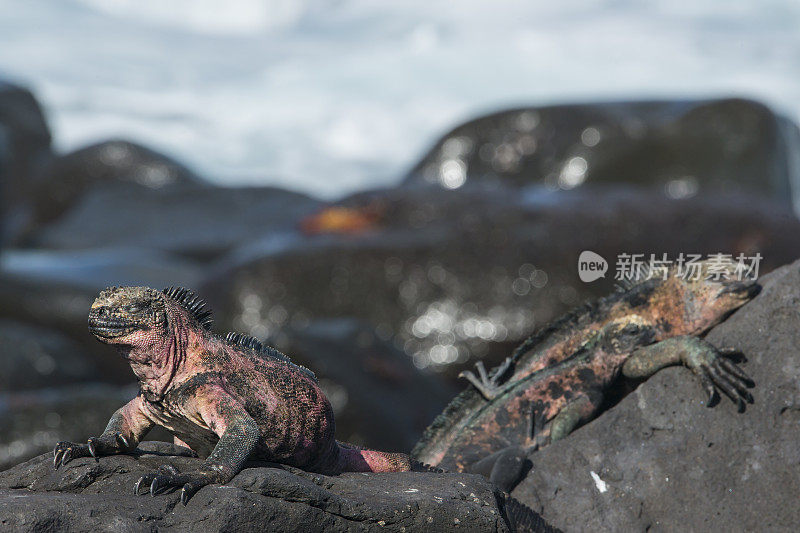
x: 228, y: 399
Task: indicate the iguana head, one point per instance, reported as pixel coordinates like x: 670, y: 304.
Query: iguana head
x: 128, y: 315
x: 151, y: 329
x: 693, y: 301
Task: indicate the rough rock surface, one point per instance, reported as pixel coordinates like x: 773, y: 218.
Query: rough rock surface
x: 660, y: 460
x: 97, y: 496
x: 683, y: 147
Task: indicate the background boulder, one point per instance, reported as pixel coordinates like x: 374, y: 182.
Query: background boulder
x: 680, y: 147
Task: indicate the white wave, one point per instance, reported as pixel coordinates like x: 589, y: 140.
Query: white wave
x: 331, y: 96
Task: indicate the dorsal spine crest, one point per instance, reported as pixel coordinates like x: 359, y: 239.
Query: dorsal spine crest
x: 246, y: 341
x: 193, y: 304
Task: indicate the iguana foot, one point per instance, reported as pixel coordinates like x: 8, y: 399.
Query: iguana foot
x: 486, y: 385
x: 168, y: 477
x: 505, y: 468
x: 536, y: 426
x: 65, y: 451
x: 716, y: 371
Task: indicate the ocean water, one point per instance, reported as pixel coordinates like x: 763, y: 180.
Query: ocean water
x: 332, y: 96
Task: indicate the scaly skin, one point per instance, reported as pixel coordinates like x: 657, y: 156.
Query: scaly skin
x: 555, y: 380
x: 227, y: 401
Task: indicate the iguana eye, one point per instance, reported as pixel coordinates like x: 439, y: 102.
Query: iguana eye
x: 632, y: 329
x: 133, y: 308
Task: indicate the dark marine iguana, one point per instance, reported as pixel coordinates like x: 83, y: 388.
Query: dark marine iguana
x: 229, y: 400
x: 556, y: 379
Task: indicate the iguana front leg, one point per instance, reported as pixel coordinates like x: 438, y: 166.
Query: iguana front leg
x: 125, y: 429
x: 238, y: 434
x: 709, y: 363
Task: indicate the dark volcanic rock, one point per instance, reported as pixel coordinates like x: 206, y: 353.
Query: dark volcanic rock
x: 115, y: 162
x: 660, y: 460
x: 96, y: 496
x: 200, y: 222
x: 24, y: 150
x: 681, y: 147
x: 380, y: 399
x: 450, y: 275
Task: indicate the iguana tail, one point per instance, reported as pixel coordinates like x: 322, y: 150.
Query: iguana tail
x: 349, y: 458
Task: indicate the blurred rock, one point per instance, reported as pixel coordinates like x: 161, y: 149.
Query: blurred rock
x: 91, y: 496
x: 35, y: 357
x: 379, y: 398
x: 451, y: 275
x: 31, y: 422
x: 116, y: 162
x: 198, y: 222
x: 24, y: 150
x: 661, y: 460
x: 680, y: 147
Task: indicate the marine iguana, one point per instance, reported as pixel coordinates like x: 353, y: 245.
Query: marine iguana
x: 556, y: 379
x: 229, y: 399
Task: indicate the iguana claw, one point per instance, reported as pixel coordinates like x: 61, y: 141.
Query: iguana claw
x: 92, y: 450
x: 487, y: 385
x: 716, y: 372
x: 168, y: 477
x: 65, y: 451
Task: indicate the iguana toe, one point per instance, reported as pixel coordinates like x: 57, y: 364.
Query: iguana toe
x: 486, y: 386
x: 188, y: 491
x: 92, y: 450
x: 147, y: 479
x: 733, y: 383
x: 65, y: 451
x: 717, y: 373
x: 122, y: 441
x: 168, y: 477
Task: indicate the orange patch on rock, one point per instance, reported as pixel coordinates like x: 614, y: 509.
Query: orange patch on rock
x: 342, y: 220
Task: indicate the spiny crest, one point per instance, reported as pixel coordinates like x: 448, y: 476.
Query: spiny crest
x: 240, y: 339
x: 192, y: 303
x: 557, y: 325
x: 246, y: 341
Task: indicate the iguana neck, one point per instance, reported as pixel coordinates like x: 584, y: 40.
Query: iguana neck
x: 157, y: 364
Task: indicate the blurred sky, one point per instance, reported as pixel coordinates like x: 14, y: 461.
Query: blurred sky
x: 330, y: 96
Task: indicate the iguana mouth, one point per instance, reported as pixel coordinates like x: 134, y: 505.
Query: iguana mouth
x: 111, y: 328
x: 746, y: 289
